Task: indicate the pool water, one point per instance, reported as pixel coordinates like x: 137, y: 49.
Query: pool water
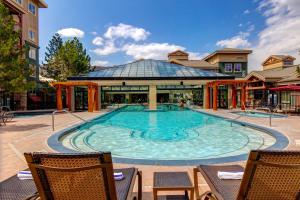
x: 170, y: 134
x: 258, y: 114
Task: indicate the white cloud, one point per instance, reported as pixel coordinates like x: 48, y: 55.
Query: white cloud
x: 71, y: 32
x: 107, y: 49
x: 98, y: 41
x: 150, y: 50
x: 196, y: 56
x: 282, y: 32
x: 238, y: 41
x: 246, y: 11
x: 100, y: 63
x: 240, y: 25
x: 126, y: 31
x: 94, y: 33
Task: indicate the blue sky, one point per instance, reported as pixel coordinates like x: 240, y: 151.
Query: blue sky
x: 116, y: 32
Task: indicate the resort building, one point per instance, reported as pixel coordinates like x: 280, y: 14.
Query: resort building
x: 277, y: 84
x: 231, y: 61
x: 26, y: 15
x: 176, y: 79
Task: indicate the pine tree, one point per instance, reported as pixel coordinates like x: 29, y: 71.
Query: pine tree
x: 54, y: 45
x: 66, y: 59
x: 14, y: 71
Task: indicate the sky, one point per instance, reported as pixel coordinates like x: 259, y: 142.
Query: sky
x: 118, y: 31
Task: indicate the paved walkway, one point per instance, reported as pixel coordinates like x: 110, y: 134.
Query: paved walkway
x: 30, y: 134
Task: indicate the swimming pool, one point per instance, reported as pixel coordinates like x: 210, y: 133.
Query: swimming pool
x: 170, y: 136
x: 258, y: 114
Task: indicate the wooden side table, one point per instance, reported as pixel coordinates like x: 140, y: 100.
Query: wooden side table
x: 172, y: 181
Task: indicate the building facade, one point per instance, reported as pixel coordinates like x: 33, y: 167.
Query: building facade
x: 26, y: 15
x: 278, y: 71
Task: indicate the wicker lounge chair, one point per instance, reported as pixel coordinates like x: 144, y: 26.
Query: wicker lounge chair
x: 2, y: 118
x: 80, y: 176
x: 268, y: 175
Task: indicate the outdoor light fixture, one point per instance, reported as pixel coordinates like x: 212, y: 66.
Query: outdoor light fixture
x: 123, y: 83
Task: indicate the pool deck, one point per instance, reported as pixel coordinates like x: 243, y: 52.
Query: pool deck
x: 31, y: 134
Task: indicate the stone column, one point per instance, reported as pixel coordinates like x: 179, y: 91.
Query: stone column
x: 152, y: 97
x: 127, y: 97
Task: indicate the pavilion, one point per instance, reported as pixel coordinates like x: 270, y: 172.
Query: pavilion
x: 151, y: 82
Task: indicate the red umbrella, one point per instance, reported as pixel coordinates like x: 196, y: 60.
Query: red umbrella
x: 286, y: 88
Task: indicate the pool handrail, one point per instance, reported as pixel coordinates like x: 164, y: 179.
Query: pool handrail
x: 270, y: 115
x: 66, y: 111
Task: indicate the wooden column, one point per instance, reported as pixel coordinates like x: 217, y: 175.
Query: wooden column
x: 96, y: 97
x: 69, y: 97
x: 243, y: 97
x: 59, y: 97
x: 206, y: 96
x: 233, y: 98
x: 90, y: 99
x: 215, y: 96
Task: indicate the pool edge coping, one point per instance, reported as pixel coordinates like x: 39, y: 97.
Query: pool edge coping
x: 282, y: 142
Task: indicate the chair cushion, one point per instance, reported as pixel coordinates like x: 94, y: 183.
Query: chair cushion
x: 123, y: 186
x: 223, y: 189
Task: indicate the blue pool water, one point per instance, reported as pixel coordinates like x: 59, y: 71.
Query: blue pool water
x: 258, y: 114
x: 169, y: 134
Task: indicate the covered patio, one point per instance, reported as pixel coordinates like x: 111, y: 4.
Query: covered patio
x: 93, y: 94
x: 233, y: 87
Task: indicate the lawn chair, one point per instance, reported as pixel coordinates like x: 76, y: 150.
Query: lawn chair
x: 269, y: 175
x: 80, y: 176
x: 2, y: 118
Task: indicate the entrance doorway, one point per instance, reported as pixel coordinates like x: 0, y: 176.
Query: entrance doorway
x: 139, y: 98
x: 118, y: 98
x: 163, y: 98
x: 223, y: 97
x: 81, y: 98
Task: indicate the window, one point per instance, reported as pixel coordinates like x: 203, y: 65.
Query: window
x: 32, y: 69
x: 31, y: 8
x: 19, y: 2
x: 288, y: 63
x: 228, y: 67
x: 31, y: 35
x: 32, y: 53
x: 237, y: 67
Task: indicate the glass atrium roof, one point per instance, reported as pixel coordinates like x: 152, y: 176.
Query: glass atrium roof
x: 150, y: 69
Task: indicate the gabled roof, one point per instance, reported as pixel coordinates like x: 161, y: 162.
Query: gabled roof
x: 195, y: 63
x: 151, y: 70
x: 278, y: 58
x: 178, y: 53
x: 273, y: 75
x: 229, y: 51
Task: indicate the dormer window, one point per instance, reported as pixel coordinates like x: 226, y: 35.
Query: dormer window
x: 237, y: 67
x: 288, y: 63
x: 19, y: 2
x: 228, y: 67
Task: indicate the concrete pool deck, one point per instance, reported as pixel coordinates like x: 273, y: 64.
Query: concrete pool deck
x: 31, y: 134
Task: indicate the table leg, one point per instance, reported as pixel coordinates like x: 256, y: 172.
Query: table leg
x: 192, y: 194
x: 154, y: 194
x: 196, y: 183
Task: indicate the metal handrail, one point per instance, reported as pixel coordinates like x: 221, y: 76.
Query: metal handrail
x: 66, y: 111
x: 270, y: 115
